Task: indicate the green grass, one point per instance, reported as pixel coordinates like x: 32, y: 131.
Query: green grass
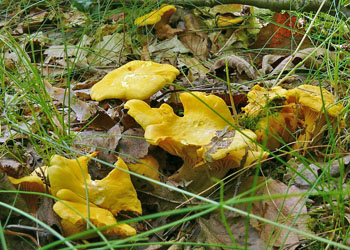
x: 33, y: 119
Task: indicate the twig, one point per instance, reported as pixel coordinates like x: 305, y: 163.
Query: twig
x: 22, y: 234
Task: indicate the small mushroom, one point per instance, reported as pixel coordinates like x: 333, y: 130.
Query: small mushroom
x: 189, y: 136
x: 160, y: 19
x: 260, y: 97
x: 134, y: 80
x: 32, y: 183
x: 275, y: 120
x: 312, y: 104
x: 147, y: 166
x: 225, y: 20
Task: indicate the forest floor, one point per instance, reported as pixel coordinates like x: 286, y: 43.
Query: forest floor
x: 222, y: 127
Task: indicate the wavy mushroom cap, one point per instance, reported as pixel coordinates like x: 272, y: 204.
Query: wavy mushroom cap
x: 115, y: 192
x: 134, y: 80
x: 155, y: 16
x: 196, y: 128
x: 314, y: 98
x: 224, y: 143
x: 259, y: 97
x: 75, y: 222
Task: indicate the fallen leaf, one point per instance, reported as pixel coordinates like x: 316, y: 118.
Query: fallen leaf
x: 101, y: 120
x: 133, y: 145
x: 170, y: 45
x: 46, y: 214
x: 110, y: 49
x: 11, y: 167
x: 194, y: 65
x: 236, y: 62
x: 282, y: 33
x: 82, y: 109
x: 105, y: 143
x: 269, y: 61
x: 225, y: 8
x: 213, y: 231
x: 194, y: 38
x: 289, y: 211
x: 316, y: 59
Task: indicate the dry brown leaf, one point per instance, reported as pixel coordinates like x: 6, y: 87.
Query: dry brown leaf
x: 237, y: 62
x: 103, y: 142
x: 101, y: 120
x: 82, y: 109
x: 282, y: 210
x: 11, y: 167
x: 133, y: 145
x: 282, y: 33
x: 316, y: 59
x: 268, y: 62
x: 195, y: 67
x: 194, y: 38
x: 213, y: 231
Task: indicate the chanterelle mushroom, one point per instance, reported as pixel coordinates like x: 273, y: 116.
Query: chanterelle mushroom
x: 311, y: 104
x: 71, y: 184
x: 190, y: 136
x: 275, y: 120
x: 134, y: 80
x: 160, y: 19
x: 115, y: 192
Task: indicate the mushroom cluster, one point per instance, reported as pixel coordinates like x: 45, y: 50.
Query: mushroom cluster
x: 281, y: 114
x: 204, y: 137
x: 79, y: 197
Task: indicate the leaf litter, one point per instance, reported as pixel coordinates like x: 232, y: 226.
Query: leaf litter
x: 197, y: 43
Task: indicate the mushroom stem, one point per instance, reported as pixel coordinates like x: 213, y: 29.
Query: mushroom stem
x: 314, y: 122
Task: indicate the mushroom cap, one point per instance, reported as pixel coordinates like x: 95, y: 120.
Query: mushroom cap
x: 73, y: 223
x: 155, y: 16
x: 177, y: 134
x: 224, y: 21
x: 259, y: 97
x: 233, y: 141
x: 310, y: 96
x: 134, y: 80
x: 32, y: 183
x: 148, y: 166
x: 115, y: 192
x: 277, y: 127
x: 206, y: 142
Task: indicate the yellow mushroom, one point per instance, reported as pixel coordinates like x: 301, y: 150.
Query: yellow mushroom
x: 149, y: 167
x: 160, y: 19
x: 259, y: 97
x: 275, y: 120
x: 228, y: 20
x: 312, y: 104
x: 70, y: 181
x: 115, y: 192
x: 32, y: 183
x: 189, y: 136
x: 73, y: 222
x: 134, y: 80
